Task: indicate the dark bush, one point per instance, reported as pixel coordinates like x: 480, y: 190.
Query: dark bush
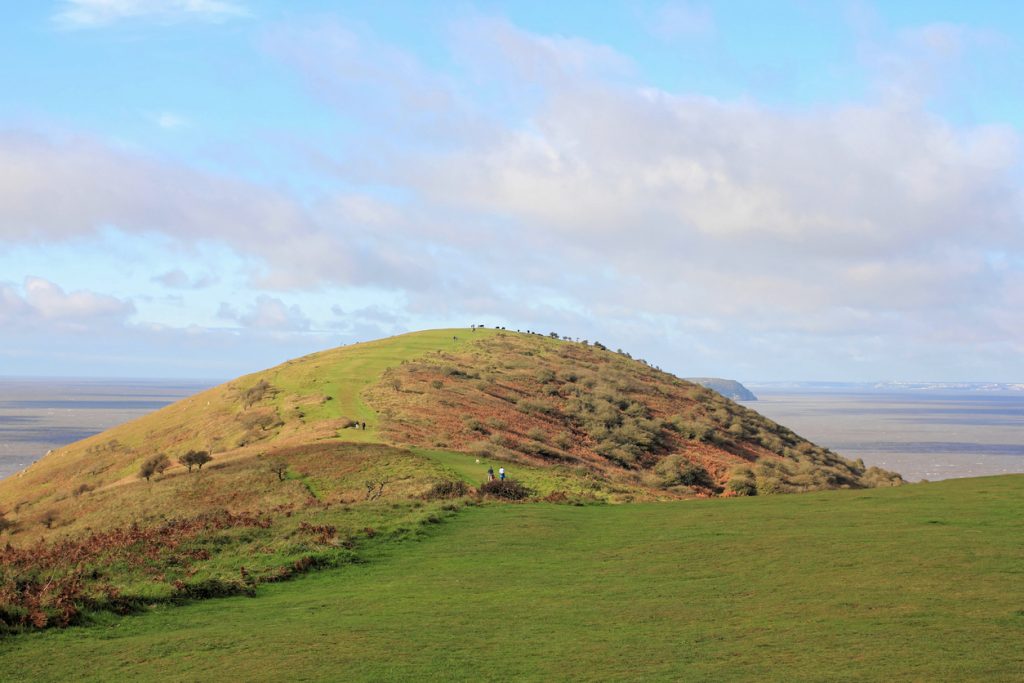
x: 447, y: 489
x: 212, y: 588
x: 83, y: 488
x: 677, y: 470
x: 531, y: 407
x: 262, y: 420
x: 195, y: 459
x: 741, y: 482
x: 508, y: 489
x: 257, y: 392
x: 155, y: 465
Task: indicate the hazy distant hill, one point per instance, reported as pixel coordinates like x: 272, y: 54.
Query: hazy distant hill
x: 729, y: 388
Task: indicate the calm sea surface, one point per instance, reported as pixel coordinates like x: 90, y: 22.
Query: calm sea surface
x: 922, y: 435
x: 37, y: 415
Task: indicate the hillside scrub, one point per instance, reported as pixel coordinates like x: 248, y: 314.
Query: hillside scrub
x: 195, y: 459
x: 506, y: 489
x: 210, y: 555
x: 61, y: 581
x: 552, y: 401
x: 155, y: 465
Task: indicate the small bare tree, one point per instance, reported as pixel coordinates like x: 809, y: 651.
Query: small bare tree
x: 375, y: 487
x: 48, y: 519
x: 280, y: 468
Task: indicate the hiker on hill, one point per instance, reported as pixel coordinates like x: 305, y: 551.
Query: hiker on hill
x: 490, y: 474
x: 364, y: 426
x: 501, y: 473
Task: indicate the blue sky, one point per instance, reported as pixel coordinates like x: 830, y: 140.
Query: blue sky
x: 765, y: 191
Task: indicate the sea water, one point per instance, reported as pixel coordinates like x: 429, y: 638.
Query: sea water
x: 37, y: 415
x: 928, y: 433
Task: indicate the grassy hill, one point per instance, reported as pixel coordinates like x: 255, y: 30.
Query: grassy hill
x: 917, y: 583
x: 293, y: 483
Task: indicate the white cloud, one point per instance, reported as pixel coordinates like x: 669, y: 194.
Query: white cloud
x: 593, y: 204
x: 267, y: 313
x: 94, y: 13
x: 42, y: 303
x: 601, y: 189
x: 179, y: 279
x: 291, y: 244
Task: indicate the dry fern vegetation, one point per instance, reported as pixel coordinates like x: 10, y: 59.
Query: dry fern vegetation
x: 302, y: 465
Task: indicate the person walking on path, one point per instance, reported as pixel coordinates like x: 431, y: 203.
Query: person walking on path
x: 501, y: 473
x: 364, y: 426
x: 490, y: 474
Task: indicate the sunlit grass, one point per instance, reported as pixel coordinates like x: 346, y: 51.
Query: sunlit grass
x: 915, y: 583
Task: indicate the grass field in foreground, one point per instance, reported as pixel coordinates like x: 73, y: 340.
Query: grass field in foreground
x: 922, y: 582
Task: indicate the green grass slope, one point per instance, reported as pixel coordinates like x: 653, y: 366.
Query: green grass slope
x: 918, y: 583
x: 94, y: 483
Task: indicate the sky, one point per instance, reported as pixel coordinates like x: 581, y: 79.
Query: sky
x: 795, y: 190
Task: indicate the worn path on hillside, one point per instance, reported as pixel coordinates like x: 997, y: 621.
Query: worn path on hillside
x: 344, y: 373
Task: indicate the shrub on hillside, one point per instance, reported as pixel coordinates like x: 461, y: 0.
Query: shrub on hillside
x: 772, y: 477
x: 507, y: 489
x: 257, y: 392
x: 876, y: 477
x: 447, y: 489
x: 155, y: 465
x: 563, y: 441
x: 741, y: 482
x: 537, y: 434
x: 545, y: 376
x: 48, y: 519
x: 82, y: 488
x: 677, y: 470
x: 531, y: 407
x: 262, y: 420
x: 280, y: 468
x: 195, y: 459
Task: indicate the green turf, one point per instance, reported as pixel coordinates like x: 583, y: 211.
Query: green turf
x: 343, y: 373
x: 919, y: 583
x: 470, y: 468
x: 541, y: 480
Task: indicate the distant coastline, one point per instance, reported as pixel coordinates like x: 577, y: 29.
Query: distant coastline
x: 921, y: 430
x: 39, y: 414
